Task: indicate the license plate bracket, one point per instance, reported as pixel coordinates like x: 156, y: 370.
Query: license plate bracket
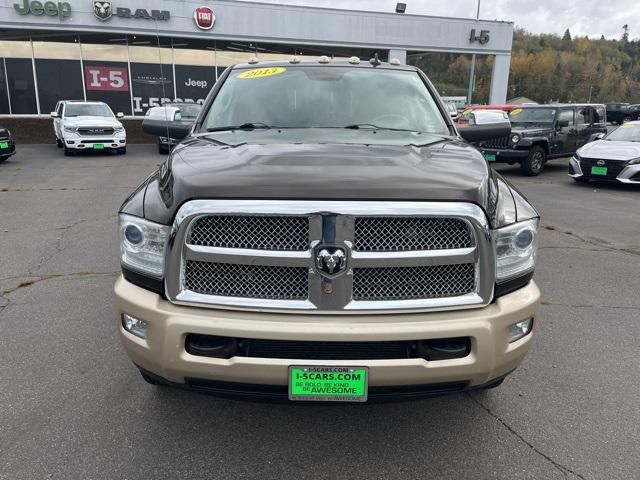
x: 318, y: 383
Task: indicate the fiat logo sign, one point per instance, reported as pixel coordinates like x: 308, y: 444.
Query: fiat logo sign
x: 204, y: 18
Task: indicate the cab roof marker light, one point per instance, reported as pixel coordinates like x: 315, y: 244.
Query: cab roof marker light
x: 354, y: 60
x: 294, y: 59
x: 323, y: 59
x: 394, y: 61
x: 253, y: 60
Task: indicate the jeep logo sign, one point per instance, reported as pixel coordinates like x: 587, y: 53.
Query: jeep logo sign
x: 204, y: 18
x: 51, y: 9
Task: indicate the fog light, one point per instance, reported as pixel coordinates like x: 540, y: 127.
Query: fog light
x: 519, y: 330
x: 134, y: 325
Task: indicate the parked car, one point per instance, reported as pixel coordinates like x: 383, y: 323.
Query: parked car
x: 544, y: 132
x: 304, y: 242
x: 7, y: 145
x: 613, y: 157
x: 463, y: 119
x: 616, y: 112
x: 171, y: 122
x: 81, y: 126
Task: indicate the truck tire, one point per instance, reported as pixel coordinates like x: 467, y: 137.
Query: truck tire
x: 58, y: 142
x: 68, y: 152
x: 162, y: 148
x: 534, y: 164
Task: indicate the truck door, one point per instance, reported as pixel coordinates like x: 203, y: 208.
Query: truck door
x: 583, y: 126
x: 565, y: 136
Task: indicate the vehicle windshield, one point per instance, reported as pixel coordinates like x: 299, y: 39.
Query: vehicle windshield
x: 629, y: 132
x: 533, y: 115
x: 325, y: 97
x: 87, y: 110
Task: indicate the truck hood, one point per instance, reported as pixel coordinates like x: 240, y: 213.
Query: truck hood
x: 610, y: 150
x: 199, y: 168
x: 533, y: 131
x: 91, y: 121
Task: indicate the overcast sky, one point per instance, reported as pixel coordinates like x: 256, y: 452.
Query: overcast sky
x: 582, y: 17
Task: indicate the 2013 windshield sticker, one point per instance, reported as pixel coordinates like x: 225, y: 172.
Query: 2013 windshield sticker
x: 262, y: 72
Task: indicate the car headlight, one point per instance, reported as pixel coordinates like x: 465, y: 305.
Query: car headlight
x: 515, y: 138
x: 635, y: 161
x: 70, y: 129
x: 516, y: 248
x: 143, y: 244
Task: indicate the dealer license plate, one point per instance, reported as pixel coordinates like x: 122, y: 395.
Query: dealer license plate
x: 98, y: 146
x: 328, y: 384
x: 490, y: 157
x: 4, y: 145
x: 598, y: 170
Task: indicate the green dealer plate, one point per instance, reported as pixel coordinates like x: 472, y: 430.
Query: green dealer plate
x: 328, y: 384
x: 598, y: 170
x: 490, y: 157
x: 98, y: 146
x: 4, y: 145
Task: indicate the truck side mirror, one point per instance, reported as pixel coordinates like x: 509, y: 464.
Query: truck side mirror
x: 119, y: 115
x: 53, y: 114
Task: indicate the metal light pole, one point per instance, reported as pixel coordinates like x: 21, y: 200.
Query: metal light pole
x: 472, y: 73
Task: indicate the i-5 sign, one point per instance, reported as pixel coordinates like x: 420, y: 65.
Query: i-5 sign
x: 113, y: 79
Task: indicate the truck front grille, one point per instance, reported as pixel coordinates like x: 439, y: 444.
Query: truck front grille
x: 498, y: 142
x: 88, y: 131
x: 248, y: 281
x: 397, y: 256
x: 408, y: 283
x: 251, y: 232
x: 394, y: 234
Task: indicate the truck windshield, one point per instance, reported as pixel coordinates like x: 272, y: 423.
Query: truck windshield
x: 533, y: 115
x: 325, y: 97
x: 87, y: 110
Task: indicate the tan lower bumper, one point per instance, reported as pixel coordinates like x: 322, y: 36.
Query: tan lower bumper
x: 163, y: 352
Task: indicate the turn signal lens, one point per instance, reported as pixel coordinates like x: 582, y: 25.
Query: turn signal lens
x: 519, y: 330
x: 134, y: 326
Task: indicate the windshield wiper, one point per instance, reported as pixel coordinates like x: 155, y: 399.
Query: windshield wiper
x: 371, y: 126
x: 244, y: 126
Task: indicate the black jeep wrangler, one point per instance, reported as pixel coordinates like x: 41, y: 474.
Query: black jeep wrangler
x: 544, y: 132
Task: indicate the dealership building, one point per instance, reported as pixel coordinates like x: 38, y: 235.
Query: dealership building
x: 134, y: 54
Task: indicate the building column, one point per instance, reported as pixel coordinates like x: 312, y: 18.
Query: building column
x: 399, y: 54
x: 499, y: 79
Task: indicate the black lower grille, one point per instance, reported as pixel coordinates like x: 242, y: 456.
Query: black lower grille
x: 330, y: 350
x: 280, y: 392
x: 498, y: 142
x: 613, y: 168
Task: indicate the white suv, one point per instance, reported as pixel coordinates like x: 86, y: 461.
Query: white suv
x: 82, y: 125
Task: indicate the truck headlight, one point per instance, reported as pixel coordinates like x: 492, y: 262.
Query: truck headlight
x: 118, y: 129
x: 516, y: 248
x: 143, y: 244
x: 70, y: 129
x: 515, y: 138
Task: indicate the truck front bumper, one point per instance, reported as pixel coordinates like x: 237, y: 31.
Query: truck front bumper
x: 504, y: 155
x: 164, y: 355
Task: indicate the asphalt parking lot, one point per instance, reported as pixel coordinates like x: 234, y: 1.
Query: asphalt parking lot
x: 72, y: 406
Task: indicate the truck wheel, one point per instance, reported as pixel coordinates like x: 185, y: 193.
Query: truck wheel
x: 150, y: 380
x: 162, y: 148
x: 122, y: 151
x: 58, y: 142
x: 534, y: 163
x: 68, y: 152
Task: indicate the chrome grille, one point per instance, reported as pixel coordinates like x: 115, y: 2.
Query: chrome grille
x: 400, y: 256
x: 95, y: 131
x: 251, y: 232
x: 393, y: 234
x: 407, y: 283
x: 248, y: 281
